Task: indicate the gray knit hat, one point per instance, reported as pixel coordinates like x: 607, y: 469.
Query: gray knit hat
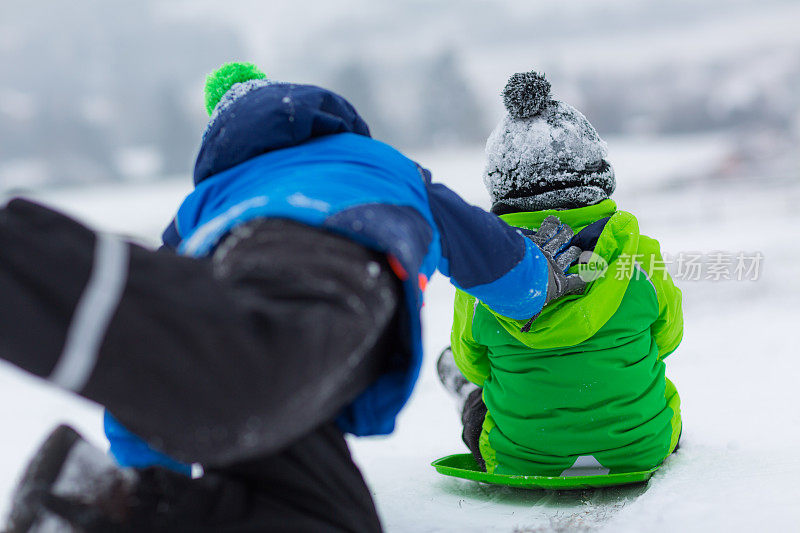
x: 544, y: 154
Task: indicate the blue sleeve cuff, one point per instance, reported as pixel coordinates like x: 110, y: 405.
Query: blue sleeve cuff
x: 520, y: 293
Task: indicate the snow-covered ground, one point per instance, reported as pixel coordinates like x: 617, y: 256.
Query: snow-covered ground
x: 736, y: 369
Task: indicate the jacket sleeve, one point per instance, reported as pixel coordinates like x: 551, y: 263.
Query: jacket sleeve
x: 471, y: 357
x: 668, y: 328
x: 152, y: 335
x: 487, y: 258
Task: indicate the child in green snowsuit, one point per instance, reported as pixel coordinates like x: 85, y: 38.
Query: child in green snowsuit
x: 581, y: 389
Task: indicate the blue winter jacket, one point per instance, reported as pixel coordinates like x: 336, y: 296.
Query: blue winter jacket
x: 303, y: 153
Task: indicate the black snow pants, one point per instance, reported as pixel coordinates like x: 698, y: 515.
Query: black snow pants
x: 239, y: 362
x: 473, y: 414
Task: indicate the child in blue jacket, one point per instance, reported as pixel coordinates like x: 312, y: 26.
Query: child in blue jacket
x: 283, y: 312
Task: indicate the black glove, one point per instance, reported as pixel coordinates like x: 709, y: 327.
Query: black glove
x: 552, y: 239
x: 45, y: 262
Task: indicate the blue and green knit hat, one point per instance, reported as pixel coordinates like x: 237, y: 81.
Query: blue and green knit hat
x: 252, y: 115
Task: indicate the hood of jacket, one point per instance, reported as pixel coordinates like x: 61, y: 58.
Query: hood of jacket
x: 614, y: 236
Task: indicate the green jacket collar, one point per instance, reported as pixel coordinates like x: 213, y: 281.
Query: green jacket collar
x: 577, y: 219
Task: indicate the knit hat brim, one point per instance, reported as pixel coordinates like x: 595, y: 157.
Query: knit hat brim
x: 566, y: 190
x: 569, y: 198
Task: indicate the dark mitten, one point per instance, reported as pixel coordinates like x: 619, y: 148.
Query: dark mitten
x: 553, y: 239
x: 46, y: 261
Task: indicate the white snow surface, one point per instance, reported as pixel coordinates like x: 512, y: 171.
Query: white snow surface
x: 736, y: 370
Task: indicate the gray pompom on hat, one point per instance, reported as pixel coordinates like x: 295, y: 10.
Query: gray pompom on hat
x: 544, y: 154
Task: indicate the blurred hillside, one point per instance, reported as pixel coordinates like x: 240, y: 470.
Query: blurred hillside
x: 95, y: 90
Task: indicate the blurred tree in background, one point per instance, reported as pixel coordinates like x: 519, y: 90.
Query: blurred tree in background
x: 84, y: 84
x: 112, y: 90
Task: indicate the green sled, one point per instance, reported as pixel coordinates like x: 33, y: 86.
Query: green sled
x: 463, y: 465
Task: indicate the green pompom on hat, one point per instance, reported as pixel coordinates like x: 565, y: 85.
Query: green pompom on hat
x: 221, y: 80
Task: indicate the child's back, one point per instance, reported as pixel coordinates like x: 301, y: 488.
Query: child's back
x: 583, y: 389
